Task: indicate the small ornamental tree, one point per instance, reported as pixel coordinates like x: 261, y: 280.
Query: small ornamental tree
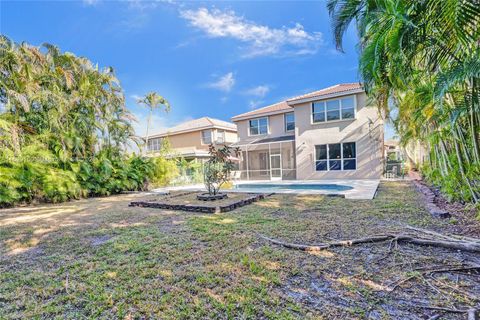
x: 218, y: 168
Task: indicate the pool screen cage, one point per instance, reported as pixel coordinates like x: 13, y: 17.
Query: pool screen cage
x: 267, y: 160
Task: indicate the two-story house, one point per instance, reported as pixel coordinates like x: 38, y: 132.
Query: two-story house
x: 328, y: 134
x: 191, y: 139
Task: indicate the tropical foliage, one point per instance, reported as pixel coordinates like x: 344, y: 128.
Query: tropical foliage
x: 64, y: 128
x: 165, y: 165
x: 420, y: 61
x: 218, y: 168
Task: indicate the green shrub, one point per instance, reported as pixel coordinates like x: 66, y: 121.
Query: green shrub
x: 164, y: 171
x: 63, y: 138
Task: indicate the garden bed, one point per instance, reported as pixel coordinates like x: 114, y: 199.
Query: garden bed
x: 187, y: 201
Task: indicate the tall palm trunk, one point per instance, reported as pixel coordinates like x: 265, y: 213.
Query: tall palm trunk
x: 473, y: 125
x: 462, y: 171
x: 145, y: 147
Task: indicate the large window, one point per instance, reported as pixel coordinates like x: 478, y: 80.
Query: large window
x: 258, y: 126
x: 289, y: 121
x: 154, y: 144
x: 337, y: 156
x: 331, y: 110
x: 207, y: 136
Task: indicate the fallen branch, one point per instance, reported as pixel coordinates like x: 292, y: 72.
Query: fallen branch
x: 465, y: 268
x: 445, y: 237
x: 456, y: 244
x: 323, y: 246
x: 471, y: 312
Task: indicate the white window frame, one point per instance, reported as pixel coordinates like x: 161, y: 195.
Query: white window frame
x: 157, y: 144
x: 220, y: 133
x: 258, y: 126
x: 324, y: 102
x: 203, y: 137
x: 341, y: 159
x: 285, y: 121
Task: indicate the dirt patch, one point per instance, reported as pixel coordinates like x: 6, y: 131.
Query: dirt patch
x: 97, y: 241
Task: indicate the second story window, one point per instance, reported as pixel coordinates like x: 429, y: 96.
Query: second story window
x: 220, y: 136
x: 258, y: 126
x: 338, y: 109
x: 207, y: 136
x: 348, y: 108
x: 333, y: 110
x: 289, y: 121
x: 318, y: 112
x: 154, y: 144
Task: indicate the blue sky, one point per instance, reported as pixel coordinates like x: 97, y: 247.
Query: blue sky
x: 214, y: 59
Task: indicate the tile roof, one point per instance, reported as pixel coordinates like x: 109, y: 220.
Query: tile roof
x: 277, y: 107
x: 285, y: 106
x: 196, y: 124
x: 336, y: 89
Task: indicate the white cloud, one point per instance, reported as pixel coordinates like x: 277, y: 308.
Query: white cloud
x: 224, y: 83
x: 147, y: 5
x: 253, y: 104
x: 259, y: 91
x: 90, y: 2
x: 135, y: 97
x: 260, y: 39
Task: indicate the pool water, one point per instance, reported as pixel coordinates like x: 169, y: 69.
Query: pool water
x: 294, y: 186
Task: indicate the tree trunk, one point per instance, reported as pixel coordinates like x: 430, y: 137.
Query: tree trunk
x: 146, y: 135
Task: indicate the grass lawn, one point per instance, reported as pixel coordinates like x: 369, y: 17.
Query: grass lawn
x: 99, y: 258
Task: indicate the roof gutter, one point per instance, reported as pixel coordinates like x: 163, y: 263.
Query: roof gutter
x: 172, y: 133
x: 259, y: 115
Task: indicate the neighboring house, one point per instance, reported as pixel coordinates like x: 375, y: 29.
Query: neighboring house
x: 326, y: 134
x: 392, y: 150
x: 191, y: 139
x: 394, y: 156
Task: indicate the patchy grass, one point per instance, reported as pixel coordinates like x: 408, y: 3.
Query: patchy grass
x: 99, y: 258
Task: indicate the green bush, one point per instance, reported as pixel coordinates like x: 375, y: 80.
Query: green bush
x: 164, y: 171
x: 26, y: 182
x: 451, y: 183
x: 63, y: 138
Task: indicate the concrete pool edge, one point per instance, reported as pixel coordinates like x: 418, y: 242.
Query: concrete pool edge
x: 363, y: 189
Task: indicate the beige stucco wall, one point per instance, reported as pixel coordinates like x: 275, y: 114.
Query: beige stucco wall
x: 187, y: 140
x: 276, y: 128
x: 231, y: 137
x: 194, y: 139
x: 368, y: 138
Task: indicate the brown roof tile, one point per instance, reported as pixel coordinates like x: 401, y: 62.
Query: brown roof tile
x: 336, y: 89
x: 196, y: 124
x: 277, y: 107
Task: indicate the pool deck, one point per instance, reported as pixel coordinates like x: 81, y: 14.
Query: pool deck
x: 363, y: 189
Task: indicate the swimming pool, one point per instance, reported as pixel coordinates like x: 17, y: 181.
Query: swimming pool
x: 294, y: 186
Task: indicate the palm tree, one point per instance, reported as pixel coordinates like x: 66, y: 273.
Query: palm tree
x: 152, y: 101
x: 424, y: 56
x: 63, y: 122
